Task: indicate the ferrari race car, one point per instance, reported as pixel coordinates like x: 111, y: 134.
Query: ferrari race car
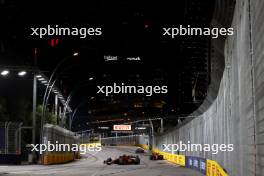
x: 123, y: 160
x: 156, y: 156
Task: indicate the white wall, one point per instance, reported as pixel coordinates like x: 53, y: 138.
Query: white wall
x: 234, y: 109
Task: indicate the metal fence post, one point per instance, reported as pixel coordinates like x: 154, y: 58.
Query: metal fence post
x: 7, y: 138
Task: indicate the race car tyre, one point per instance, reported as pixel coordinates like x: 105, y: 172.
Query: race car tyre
x: 137, y: 161
x: 121, y: 161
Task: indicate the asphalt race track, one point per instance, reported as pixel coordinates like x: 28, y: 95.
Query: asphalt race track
x: 92, y: 165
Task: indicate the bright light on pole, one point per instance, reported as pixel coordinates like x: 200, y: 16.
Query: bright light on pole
x: 76, y: 54
x: 22, y: 73
x: 91, y: 78
x: 4, y: 72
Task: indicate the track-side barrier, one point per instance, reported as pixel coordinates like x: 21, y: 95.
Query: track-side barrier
x: 58, y: 158
x: 205, y: 166
x: 55, y: 134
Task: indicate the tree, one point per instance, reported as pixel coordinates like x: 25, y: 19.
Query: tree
x: 50, y: 117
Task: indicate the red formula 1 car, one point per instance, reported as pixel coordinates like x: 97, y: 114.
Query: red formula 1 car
x: 123, y: 160
x: 156, y: 156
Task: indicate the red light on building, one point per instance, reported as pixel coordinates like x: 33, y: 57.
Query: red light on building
x: 54, y: 42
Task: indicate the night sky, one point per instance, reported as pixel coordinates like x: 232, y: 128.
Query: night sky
x: 129, y: 29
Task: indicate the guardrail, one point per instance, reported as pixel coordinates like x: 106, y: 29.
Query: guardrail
x: 10, y: 142
x: 205, y: 166
x: 55, y: 134
x: 58, y: 158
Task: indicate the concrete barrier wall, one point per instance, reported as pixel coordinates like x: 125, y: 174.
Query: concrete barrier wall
x: 236, y: 114
x: 54, y: 134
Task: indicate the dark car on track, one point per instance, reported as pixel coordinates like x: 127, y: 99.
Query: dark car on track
x: 140, y: 150
x: 123, y: 160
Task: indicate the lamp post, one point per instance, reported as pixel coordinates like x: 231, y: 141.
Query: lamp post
x: 34, y: 115
x: 5, y: 71
x: 79, y: 85
x: 48, y: 90
x: 75, y: 111
x: 46, y: 101
x: 21, y: 72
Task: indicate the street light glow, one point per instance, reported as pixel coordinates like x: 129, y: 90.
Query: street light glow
x: 75, y: 54
x: 22, y: 73
x: 4, y: 72
x: 91, y: 78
